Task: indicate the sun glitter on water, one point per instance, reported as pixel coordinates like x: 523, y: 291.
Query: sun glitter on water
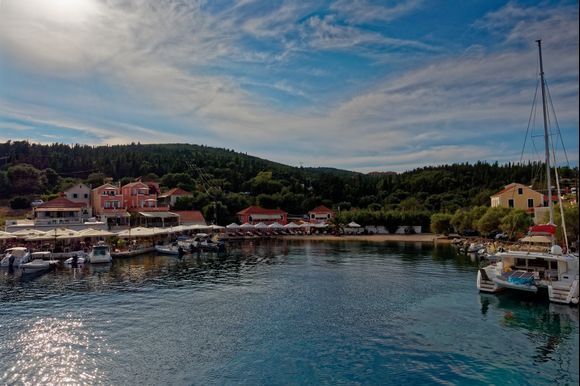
x: 55, y: 351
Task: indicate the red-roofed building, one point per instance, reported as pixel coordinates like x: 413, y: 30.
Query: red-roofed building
x: 171, y: 196
x: 255, y: 214
x: 320, y: 214
x: 190, y: 217
x: 60, y: 211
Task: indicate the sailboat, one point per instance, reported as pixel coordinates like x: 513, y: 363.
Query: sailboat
x: 553, y: 269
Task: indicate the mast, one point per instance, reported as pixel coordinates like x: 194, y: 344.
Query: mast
x: 546, y: 135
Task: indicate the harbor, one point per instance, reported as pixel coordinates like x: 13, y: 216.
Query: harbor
x: 241, y: 317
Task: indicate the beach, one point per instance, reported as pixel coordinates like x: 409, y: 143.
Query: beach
x: 422, y: 238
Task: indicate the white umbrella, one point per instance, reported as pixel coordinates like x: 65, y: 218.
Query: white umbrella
x: 261, y: 225
x: 216, y: 227
x: 56, y: 233
x: 137, y: 232
x: 247, y: 225
x: 27, y: 232
x: 276, y: 225
x: 6, y: 235
x: 233, y: 226
x: 353, y: 225
x: 90, y: 232
x: 305, y: 225
x: 292, y: 225
x: 320, y: 225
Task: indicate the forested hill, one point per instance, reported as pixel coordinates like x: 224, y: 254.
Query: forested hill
x: 237, y: 179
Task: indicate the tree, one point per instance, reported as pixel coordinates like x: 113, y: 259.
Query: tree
x: 441, y: 223
x: 51, y: 180
x: 24, y: 179
x: 491, y: 220
x: 515, y: 223
x: 571, y: 219
x: 96, y: 179
x: 5, y: 185
x: 20, y: 203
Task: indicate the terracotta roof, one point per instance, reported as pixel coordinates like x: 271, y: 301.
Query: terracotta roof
x: 131, y: 184
x: 190, y: 217
x: 321, y: 209
x: 175, y: 192
x: 510, y: 187
x: 258, y: 210
x: 106, y: 186
x: 62, y: 202
x: 506, y: 189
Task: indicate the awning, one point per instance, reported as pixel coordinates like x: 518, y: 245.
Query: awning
x: 537, y: 239
x: 159, y: 214
x: 58, y: 209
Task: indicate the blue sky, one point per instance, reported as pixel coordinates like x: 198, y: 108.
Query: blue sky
x: 360, y: 85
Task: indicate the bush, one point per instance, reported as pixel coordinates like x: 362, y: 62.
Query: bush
x: 20, y: 203
x: 441, y: 223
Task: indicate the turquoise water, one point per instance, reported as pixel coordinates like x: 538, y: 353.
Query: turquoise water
x: 282, y: 313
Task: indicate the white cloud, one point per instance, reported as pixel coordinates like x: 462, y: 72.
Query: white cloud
x: 168, y: 58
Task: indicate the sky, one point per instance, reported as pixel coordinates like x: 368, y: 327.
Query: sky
x: 353, y: 84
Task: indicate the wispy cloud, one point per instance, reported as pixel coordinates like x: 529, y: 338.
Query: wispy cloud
x: 170, y: 71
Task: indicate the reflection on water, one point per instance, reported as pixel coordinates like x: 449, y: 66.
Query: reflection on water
x: 53, y: 350
x: 545, y: 324
x: 271, y: 312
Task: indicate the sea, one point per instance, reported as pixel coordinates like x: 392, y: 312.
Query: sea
x: 282, y: 312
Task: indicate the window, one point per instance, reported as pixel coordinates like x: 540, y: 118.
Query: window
x: 107, y: 204
x: 520, y: 191
x: 86, y: 195
x: 530, y: 202
x: 511, y: 203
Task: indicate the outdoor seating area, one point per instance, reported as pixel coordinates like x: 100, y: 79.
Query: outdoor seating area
x: 261, y: 229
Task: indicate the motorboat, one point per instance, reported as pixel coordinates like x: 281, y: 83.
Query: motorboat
x: 171, y: 249
x: 15, y: 257
x: 530, y: 267
x: 100, y: 254
x: 39, y: 261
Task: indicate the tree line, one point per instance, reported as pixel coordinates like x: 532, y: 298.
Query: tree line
x: 224, y: 181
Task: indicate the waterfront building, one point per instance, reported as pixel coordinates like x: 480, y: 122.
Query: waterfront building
x: 518, y: 196
x: 190, y: 217
x: 79, y: 193
x: 170, y: 197
x: 320, y: 214
x: 255, y: 214
x: 108, y: 205
x: 60, y: 212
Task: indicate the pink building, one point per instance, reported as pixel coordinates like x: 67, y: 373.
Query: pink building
x: 140, y: 197
x: 108, y: 204
x: 320, y: 214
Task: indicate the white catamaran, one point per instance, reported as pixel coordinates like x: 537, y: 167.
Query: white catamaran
x: 553, y: 268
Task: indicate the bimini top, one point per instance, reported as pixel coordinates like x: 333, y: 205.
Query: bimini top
x: 544, y: 229
x: 17, y: 249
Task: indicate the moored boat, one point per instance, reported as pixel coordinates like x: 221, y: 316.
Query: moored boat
x: 530, y: 268
x: 100, y: 254
x: 15, y: 257
x: 40, y: 261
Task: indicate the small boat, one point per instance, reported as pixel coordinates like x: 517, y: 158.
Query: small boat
x: 171, y: 249
x: 100, y: 254
x: 131, y: 252
x: 40, y: 261
x: 15, y: 257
